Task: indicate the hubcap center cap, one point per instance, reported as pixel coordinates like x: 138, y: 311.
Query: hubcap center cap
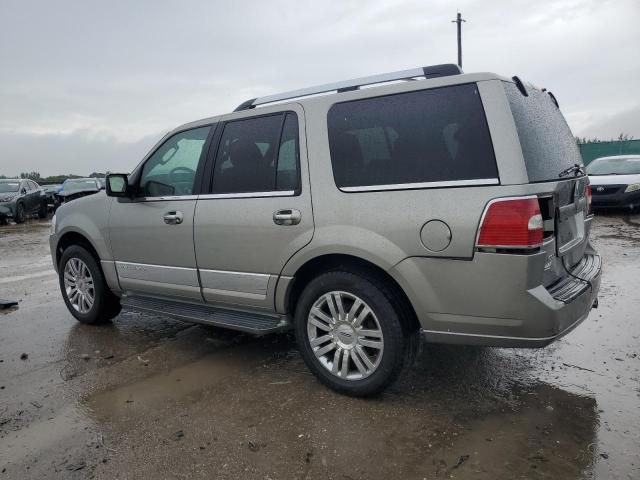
x: 345, y: 335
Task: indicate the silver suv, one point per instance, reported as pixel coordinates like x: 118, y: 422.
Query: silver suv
x: 454, y: 205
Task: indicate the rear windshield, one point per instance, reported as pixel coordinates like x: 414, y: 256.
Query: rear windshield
x: 434, y: 135
x: 547, y: 143
x: 79, y: 184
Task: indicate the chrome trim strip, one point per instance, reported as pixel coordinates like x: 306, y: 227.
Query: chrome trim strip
x: 498, y: 337
x: 284, y: 193
x: 157, y: 273
x: 413, y: 186
x: 230, y: 281
x: 166, y: 199
x: 208, y: 292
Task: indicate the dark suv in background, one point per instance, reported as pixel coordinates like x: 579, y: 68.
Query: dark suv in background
x: 20, y: 198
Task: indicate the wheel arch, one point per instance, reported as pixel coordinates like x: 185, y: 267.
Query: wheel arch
x: 289, y: 293
x: 73, y: 237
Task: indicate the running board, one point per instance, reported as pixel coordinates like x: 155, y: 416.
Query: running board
x: 255, y: 323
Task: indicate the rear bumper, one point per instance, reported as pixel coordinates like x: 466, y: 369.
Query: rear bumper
x: 496, y: 300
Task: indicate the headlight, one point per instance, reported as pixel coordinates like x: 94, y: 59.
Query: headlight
x: 634, y: 187
x: 53, y: 225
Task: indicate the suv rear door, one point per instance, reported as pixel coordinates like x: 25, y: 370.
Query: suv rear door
x: 257, y: 213
x: 550, y: 151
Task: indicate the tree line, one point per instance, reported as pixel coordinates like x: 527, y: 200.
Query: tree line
x: 53, y: 179
x: 623, y: 137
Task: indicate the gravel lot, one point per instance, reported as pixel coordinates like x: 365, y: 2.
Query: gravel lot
x: 149, y: 397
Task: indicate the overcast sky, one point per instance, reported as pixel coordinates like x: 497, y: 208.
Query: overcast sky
x: 91, y: 85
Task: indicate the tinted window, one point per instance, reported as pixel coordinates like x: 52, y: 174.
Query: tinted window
x: 287, y: 177
x: 8, y: 186
x: 427, y: 136
x: 171, y: 170
x: 258, y: 154
x: 548, y: 146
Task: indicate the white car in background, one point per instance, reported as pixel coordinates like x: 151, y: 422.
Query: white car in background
x: 615, y: 182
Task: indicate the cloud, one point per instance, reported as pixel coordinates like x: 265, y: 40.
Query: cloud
x: 613, y: 124
x: 79, y: 152
x: 93, y: 81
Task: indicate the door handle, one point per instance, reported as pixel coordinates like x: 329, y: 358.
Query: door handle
x: 173, y: 218
x: 287, y: 217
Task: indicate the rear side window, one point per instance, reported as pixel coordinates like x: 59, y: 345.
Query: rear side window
x: 436, y: 135
x: 548, y: 146
x: 258, y: 154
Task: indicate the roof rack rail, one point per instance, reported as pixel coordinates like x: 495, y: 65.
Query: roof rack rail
x: 432, y: 71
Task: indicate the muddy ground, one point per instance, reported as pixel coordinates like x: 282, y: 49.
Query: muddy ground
x: 149, y: 397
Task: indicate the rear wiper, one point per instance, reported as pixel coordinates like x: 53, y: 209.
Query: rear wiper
x: 575, y: 169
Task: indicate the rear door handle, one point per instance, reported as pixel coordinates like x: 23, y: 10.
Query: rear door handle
x: 287, y: 217
x: 173, y: 218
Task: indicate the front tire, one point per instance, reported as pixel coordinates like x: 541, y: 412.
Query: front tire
x: 84, y: 289
x: 349, y: 332
x: 20, y: 213
x: 43, y: 210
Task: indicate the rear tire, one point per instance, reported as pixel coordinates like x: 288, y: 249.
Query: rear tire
x: 20, y: 213
x: 84, y: 289
x: 349, y: 331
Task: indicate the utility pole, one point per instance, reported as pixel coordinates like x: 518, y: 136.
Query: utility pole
x: 459, y: 21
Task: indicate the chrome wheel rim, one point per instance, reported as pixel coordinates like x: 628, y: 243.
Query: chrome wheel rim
x: 345, y: 335
x: 78, y: 285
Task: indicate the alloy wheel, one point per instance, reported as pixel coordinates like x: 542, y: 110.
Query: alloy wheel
x: 78, y: 285
x: 345, y: 335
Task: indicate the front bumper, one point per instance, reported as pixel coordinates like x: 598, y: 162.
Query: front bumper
x: 615, y: 200
x: 7, y: 209
x: 495, y: 299
x: 53, y: 246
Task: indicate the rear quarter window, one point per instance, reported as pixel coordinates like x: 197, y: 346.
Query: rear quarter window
x: 435, y: 135
x: 548, y: 146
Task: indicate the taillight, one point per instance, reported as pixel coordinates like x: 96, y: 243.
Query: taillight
x: 511, y: 223
x: 588, y: 195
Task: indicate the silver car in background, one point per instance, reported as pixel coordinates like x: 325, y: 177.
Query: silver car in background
x: 615, y: 182
x: 447, y: 204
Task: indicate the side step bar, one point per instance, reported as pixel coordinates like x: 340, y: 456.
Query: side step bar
x: 255, y: 323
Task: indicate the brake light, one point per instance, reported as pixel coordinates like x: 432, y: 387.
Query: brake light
x: 511, y: 223
x: 588, y: 194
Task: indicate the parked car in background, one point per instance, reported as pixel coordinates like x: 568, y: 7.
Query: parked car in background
x: 20, y: 198
x: 51, y: 192
x: 73, y: 188
x: 615, y: 182
x: 454, y: 206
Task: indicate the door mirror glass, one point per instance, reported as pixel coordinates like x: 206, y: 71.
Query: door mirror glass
x: 117, y: 185
x: 23, y: 191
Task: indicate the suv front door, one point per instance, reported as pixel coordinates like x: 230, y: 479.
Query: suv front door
x: 151, y: 234
x: 257, y: 213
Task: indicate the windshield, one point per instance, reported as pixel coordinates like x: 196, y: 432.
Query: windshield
x: 79, y: 184
x: 6, y: 187
x: 614, y: 166
x: 548, y: 146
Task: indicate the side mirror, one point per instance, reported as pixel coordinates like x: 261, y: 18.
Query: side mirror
x: 23, y: 191
x: 117, y: 185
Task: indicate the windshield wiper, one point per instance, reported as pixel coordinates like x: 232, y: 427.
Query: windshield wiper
x: 575, y: 169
